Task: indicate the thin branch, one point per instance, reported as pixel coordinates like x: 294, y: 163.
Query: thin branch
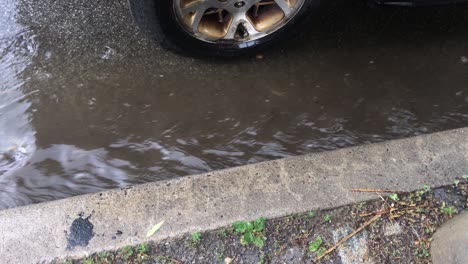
x: 346, y: 238
x: 378, y: 190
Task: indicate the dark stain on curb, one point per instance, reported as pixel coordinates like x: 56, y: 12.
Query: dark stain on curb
x: 81, y: 232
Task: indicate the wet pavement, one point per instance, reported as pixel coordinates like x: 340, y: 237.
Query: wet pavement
x: 88, y: 103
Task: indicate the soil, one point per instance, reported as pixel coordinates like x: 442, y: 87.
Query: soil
x: 400, y: 232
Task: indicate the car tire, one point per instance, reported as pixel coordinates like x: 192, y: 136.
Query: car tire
x: 158, y: 18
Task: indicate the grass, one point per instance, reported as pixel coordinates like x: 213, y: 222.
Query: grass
x: 143, y: 248
x: 127, y: 252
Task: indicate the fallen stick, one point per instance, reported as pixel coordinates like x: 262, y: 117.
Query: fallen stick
x: 393, y: 209
x: 378, y: 191
x: 344, y: 239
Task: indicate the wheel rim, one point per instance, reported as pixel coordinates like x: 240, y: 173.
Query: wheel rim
x: 238, y: 20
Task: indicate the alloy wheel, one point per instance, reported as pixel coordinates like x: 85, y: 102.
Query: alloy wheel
x: 238, y: 20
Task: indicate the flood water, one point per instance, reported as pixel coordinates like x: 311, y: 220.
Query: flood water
x: 88, y: 103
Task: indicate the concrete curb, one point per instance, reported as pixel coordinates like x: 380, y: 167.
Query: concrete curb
x: 272, y: 189
x: 450, y: 241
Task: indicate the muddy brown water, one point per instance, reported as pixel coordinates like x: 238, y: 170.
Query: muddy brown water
x: 88, y: 103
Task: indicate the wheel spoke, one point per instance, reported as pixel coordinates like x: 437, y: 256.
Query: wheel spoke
x: 237, y: 21
x: 197, y: 17
x: 232, y: 29
x: 249, y: 27
x: 193, y: 7
x: 284, y: 5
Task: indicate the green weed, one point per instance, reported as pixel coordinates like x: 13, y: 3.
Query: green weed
x: 88, y: 261
x: 393, y: 196
x: 196, y: 237
x: 143, y: 248
x: 320, y: 251
x: 316, y: 244
x: 447, y: 210
x: 127, y: 252
x: 251, y: 232
x: 222, y: 233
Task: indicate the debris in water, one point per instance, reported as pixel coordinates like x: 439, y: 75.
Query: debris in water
x: 108, y: 53
x: 464, y: 59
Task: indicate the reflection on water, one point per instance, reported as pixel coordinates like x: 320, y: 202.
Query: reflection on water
x: 87, y: 104
x: 17, y: 136
x: 29, y: 175
x: 62, y: 171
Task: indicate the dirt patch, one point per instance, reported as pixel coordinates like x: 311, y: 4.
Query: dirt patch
x: 397, y: 229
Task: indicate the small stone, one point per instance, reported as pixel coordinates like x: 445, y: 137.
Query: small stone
x: 228, y: 260
x: 392, y: 229
x: 355, y: 250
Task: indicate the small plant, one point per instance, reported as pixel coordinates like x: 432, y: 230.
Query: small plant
x: 68, y: 261
x: 222, y: 233
x: 422, y: 252
x: 196, y: 237
x: 261, y: 260
x: 419, y: 194
x: 311, y: 214
x: 456, y: 182
x: 103, y: 255
x: 252, y: 232
x: 393, y: 196
x: 320, y: 251
x: 465, y: 177
x: 127, y: 252
x: 88, y: 261
x: 447, y: 210
x: 143, y: 248
x: 327, y: 218
x: 316, y: 244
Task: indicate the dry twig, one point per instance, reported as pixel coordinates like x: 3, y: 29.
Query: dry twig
x: 346, y: 238
x: 378, y: 190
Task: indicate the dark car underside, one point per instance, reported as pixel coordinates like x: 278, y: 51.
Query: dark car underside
x: 227, y: 28
x: 418, y: 2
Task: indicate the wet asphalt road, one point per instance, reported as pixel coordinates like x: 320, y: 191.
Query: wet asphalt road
x: 87, y: 102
